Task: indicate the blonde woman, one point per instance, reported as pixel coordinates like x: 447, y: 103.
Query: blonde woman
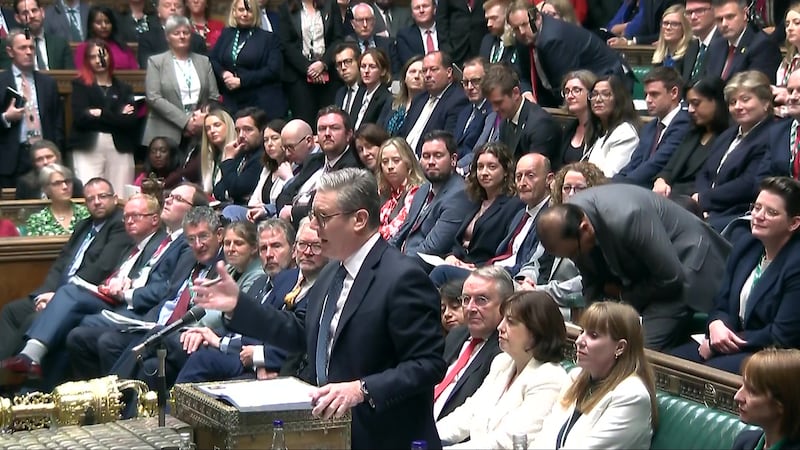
x: 218, y: 131
x: 673, y: 39
x: 791, y: 61
x: 399, y: 178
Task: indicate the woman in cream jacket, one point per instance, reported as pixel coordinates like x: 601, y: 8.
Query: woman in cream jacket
x: 523, y: 382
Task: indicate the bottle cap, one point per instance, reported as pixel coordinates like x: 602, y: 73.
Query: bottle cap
x: 277, y: 423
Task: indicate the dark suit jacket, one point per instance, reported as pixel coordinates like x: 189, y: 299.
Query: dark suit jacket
x: 474, y: 373
x: 51, y: 114
x: 772, y: 315
x: 777, y: 161
x: 59, y: 55
x: 438, y: 223
x: 756, y: 51
x: 444, y: 114
x: 385, y: 44
x: 690, y: 57
x: 659, y: 251
x: 748, y: 439
x: 651, y: 25
x: 258, y: 66
x: 377, y: 103
x: 152, y: 293
x: 401, y: 18
x: 509, y: 54
x: 684, y: 164
x: 391, y: 342
x: 489, y: 230
x: 466, y: 137
x: 409, y: 43
x: 239, y: 177
x: 99, y: 259
x: 583, y: 50
x: 154, y: 41
x: 56, y: 21
x: 643, y: 167
x: 461, y: 28
x: 311, y: 165
x: 127, y: 28
x: 295, y: 62
x: 528, y: 248
x: 537, y: 132
x: 359, y: 98
x: 124, y: 128
x: 734, y: 185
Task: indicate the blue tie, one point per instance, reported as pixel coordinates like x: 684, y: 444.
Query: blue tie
x: 77, y: 260
x: 334, y: 291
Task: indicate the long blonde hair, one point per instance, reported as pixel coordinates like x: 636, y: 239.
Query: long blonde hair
x: 662, y: 48
x: 618, y: 321
x: 415, y: 174
x: 209, y: 156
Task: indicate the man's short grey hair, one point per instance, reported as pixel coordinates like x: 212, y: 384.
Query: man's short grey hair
x: 175, y: 21
x: 50, y: 169
x: 202, y: 214
x: 502, y: 280
x: 281, y: 225
x: 356, y: 189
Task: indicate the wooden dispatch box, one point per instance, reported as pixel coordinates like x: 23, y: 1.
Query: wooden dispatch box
x: 218, y: 425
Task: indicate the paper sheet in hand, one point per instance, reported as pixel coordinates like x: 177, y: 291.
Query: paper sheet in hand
x: 78, y: 281
x: 278, y: 394
x: 699, y: 338
x: 433, y: 260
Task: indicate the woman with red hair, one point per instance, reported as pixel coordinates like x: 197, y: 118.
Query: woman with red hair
x: 104, y: 123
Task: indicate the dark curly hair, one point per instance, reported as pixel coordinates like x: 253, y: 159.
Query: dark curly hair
x: 475, y: 191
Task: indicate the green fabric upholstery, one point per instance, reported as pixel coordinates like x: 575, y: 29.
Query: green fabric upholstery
x: 684, y: 424
x: 638, y: 87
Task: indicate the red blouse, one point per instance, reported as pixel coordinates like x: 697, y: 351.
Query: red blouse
x: 390, y: 226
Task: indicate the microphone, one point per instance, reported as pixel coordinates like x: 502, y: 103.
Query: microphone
x: 101, y: 53
x: 192, y: 316
x: 27, y: 31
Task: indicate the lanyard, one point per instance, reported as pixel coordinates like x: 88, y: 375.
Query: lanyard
x: 237, y: 46
x: 187, y: 76
x: 794, y: 143
x: 762, y: 442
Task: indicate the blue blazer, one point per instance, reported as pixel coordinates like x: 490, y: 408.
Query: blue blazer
x: 777, y: 160
x: 756, y: 51
x: 151, y: 293
x: 466, y: 137
x: 409, y: 43
x: 643, y: 168
x: 528, y: 247
x: 772, y: 317
x: 444, y: 115
x: 239, y: 177
x: 735, y: 184
x: 489, y: 230
x: 258, y: 66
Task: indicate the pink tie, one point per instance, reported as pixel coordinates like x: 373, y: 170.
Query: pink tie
x: 429, y: 47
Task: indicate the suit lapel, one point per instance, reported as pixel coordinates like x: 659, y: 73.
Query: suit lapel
x: 297, y: 23
x: 485, y: 353
x: 200, y: 67
x: 314, y: 308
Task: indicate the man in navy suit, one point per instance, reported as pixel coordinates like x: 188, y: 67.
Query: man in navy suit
x: 645, y: 26
x: 469, y: 123
x: 492, y: 47
x: 437, y: 108
x: 743, y: 48
x: 346, y: 56
x: 660, y: 137
x: 461, y: 24
x: 783, y: 143
x: 371, y: 331
x: 366, y: 38
x: 704, y: 30
x: 422, y: 37
x: 269, y: 18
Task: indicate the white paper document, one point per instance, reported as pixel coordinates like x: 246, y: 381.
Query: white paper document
x: 278, y: 394
x: 699, y: 338
x: 131, y: 324
x: 433, y: 260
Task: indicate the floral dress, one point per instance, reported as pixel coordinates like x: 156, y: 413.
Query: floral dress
x: 44, y: 223
x: 391, y: 225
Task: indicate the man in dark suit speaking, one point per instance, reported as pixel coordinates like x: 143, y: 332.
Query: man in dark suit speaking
x: 371, y: 330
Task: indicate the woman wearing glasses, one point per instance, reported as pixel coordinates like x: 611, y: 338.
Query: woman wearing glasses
x: 612, y: 133
x: 756, y: 306
x: 62, y: 214
x: 575, y: 91
x: 674, y: 38
x: 574, y: 178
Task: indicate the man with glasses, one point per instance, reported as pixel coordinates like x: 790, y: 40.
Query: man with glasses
x: 306, y: 159
x: 524, y: 126
x: 97, y: 242
x: 633, y: 245
x: 704, y: 31
x: 372, y: 332
x: 154, y: 40
x: 351, y: 94
x: 470, y: 119
x: 366, y: 38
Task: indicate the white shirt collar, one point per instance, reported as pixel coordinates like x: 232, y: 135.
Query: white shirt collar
x: 670, y: 116
x: 533, y: 211
x: 739, y: 39
x: 515, y: 119
x: 354, y: 262
x: 141, y: 245
x: 424, y: 30
x: 707, y: 39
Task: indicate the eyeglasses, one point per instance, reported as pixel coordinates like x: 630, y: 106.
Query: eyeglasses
x: 345, y: 62
x: 177, y: 198
x: 574, y: 91
x: 136, y: 217
x: 771, y: 213
x: 58, y: 183
x: 103, y: 196
x: 573, y: 188
x: 314, y: 247
x: 666, y: 24
x: 697, y: 11
x: 476, y: 82
x: 480, y: 300
x: 290, y: 147
x: 201, y: 238
x: 602, y: 96
x: 323, y: 219
x: 364, y: 20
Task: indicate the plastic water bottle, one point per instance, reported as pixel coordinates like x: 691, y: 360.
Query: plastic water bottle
x: 186, y: 442
x: 519, y: 441
x: 419, y: 445
x: 278, y: 437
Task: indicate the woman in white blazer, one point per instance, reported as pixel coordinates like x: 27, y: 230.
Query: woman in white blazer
x: 523, y: 382
x: 613, y: 130
x: 611, y: 402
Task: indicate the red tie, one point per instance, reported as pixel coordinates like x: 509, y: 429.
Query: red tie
x: 183, y: 302
x: 161, y: 247
x: 533, y: 74
x: 728, y: 61
x: 510, y: 249
x: 133, y: 253
x: 460, y: 364
x: 471, y: 4
x: 429, y: 42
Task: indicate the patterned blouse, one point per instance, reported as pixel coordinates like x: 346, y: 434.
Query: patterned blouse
x: 44, y: 223
x: 391, y: 225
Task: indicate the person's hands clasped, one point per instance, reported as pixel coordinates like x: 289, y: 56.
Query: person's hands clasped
x: 221, y: 296
x: 41, y: 301
x: 722, y: 339
x: 193, y: 338
x: 335, y: 399
x: 661, y: 187
x: 246, y: 355
x: 255, y: 213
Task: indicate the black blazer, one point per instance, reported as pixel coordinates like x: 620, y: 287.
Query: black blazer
x: 684, y: 164
x: 409, y: 43
x: 756, y: 51
x: 239, y: 177
x: 379, y: 100
x: 690, y: 57
x: 735, y: 183
x: 259, y: 68
x: 292, y: 187
x: 489, y: 231
x: 385, y: 44
x: 388, y: 336
x: 509, y: 54
x: 339, y: 100
x: 99, y: 259
x: 474, y: 374
x: 444, y: 114
x: 467, y: 136
x: 154, y: 41
x: 461, y: 28
x: 748, y: 439
x: 126, y: 27
x: 124, y: 128
x: 777, y: 161
x: 537, y: 132
x: 289, y: 31
x: 51, y: 114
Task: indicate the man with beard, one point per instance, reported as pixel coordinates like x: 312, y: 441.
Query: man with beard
x: 241, y: 160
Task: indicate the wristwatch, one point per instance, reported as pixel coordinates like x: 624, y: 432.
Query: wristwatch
x: 365, y: 393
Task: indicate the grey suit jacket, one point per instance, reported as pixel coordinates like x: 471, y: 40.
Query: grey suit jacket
x: 166, y: 116
x: 658, y: 250
x: 57, y: 22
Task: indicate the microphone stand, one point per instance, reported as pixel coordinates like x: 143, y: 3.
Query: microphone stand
x: 161, y: 353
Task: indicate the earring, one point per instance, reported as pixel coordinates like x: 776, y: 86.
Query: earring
x: 617, y: 355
